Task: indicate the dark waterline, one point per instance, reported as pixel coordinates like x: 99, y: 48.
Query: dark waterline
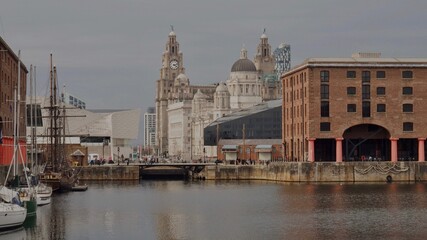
x: 232, y: 210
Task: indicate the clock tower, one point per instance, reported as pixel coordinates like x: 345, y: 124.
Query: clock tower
x: 172, y: 66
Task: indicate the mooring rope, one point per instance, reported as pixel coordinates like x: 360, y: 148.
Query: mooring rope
x: 380, y: 168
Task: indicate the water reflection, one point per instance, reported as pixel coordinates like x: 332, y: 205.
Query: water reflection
x: 30, y: 222
x: 234, y: 210
x: 355, y: 211
x: 14, y: 234
x: 57, y: 220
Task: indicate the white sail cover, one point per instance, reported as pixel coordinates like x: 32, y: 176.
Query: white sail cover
x: 7, y: 194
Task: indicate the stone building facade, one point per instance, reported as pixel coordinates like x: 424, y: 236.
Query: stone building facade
x: 355, y: 109
x: 184, y: 110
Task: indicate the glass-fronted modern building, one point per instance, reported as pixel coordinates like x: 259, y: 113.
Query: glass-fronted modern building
x: 262, y: 121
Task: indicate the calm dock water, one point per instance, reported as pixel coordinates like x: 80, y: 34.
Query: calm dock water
x: 232, y: 210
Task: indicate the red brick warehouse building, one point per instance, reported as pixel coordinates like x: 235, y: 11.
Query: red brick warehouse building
x: 8, y: 82
x: 359, y: 108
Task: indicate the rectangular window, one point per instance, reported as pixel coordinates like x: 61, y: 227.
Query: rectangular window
x: 37, y: 120
x: 324, y: 91
x: 351, y: 107
x: 324, y: 109
x: 366, y: 91
x: 380, y: 91
x: 407, y: 107
x: 408, y: 126
x: 325, y: 126
x: 366, y: 109
x: 380, y: 107
x: 351, y: 91
x: 380, y: 74
x: 407, y: 74
x: 407, y: 90
x: 351, y: 74
x: 324, y: 76
x: 366, y: 76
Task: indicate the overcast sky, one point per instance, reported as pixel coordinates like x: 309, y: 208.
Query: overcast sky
x: 108, y: 52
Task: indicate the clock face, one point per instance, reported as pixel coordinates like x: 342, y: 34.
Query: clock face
x: 173, y: 64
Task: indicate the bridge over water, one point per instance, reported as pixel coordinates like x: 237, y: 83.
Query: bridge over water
x: 171, y: 170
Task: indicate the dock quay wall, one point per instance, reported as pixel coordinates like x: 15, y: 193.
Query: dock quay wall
x: 108, y: 172
x: 321, y: 172
x: 277, y: 171
x: 103, y: 172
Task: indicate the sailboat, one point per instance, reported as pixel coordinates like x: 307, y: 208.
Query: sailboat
x: 58, y: 173
x: 44, y: 192
x: 21, y: 184
x: 11, y: 213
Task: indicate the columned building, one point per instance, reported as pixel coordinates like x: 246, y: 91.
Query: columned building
x: 172, y: 66
x: 355, y: 109
x: 244, y: 83
x: 184, y: 110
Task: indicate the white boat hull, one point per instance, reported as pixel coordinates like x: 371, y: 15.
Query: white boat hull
x: 11, y: 215
x: 44, y: 194
x: 43, y: 199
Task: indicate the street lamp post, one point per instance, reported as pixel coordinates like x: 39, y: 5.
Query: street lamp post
x: 118, y: 156
x: 104, y: 143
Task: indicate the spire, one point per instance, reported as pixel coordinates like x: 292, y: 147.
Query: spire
x: 263, y: 34
x: 172, y: 33
x: 243, y: 53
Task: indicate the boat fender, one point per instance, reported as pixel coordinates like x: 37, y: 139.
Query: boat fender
x: 389, y: 179
x: 363, y: 158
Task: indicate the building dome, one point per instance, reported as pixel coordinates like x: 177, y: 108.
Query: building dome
x: 243, y: 65
x: 221, y: 87
x: 263, y: 36
x: 172, y: 33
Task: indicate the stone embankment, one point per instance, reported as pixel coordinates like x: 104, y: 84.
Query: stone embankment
x: 109, y: 172
x: 277, y: 171
x: 321, y: 172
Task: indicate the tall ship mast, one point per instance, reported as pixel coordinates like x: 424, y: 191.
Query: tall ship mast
x: 58, y: 173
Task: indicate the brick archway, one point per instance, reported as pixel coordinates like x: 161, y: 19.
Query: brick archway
x: 366, y: 142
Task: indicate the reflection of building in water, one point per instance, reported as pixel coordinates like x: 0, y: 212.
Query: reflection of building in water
x: 163, y: 227
x: 56, y: 221
x: 172, y: 226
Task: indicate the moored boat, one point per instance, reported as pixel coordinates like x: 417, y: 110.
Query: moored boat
x: 11, y: 215
x: 27, y: 194
x: 44, y: 194
x: 25, y: 189
x: 51, y: 179
x: 79, y: 188
x: 58, y: 174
